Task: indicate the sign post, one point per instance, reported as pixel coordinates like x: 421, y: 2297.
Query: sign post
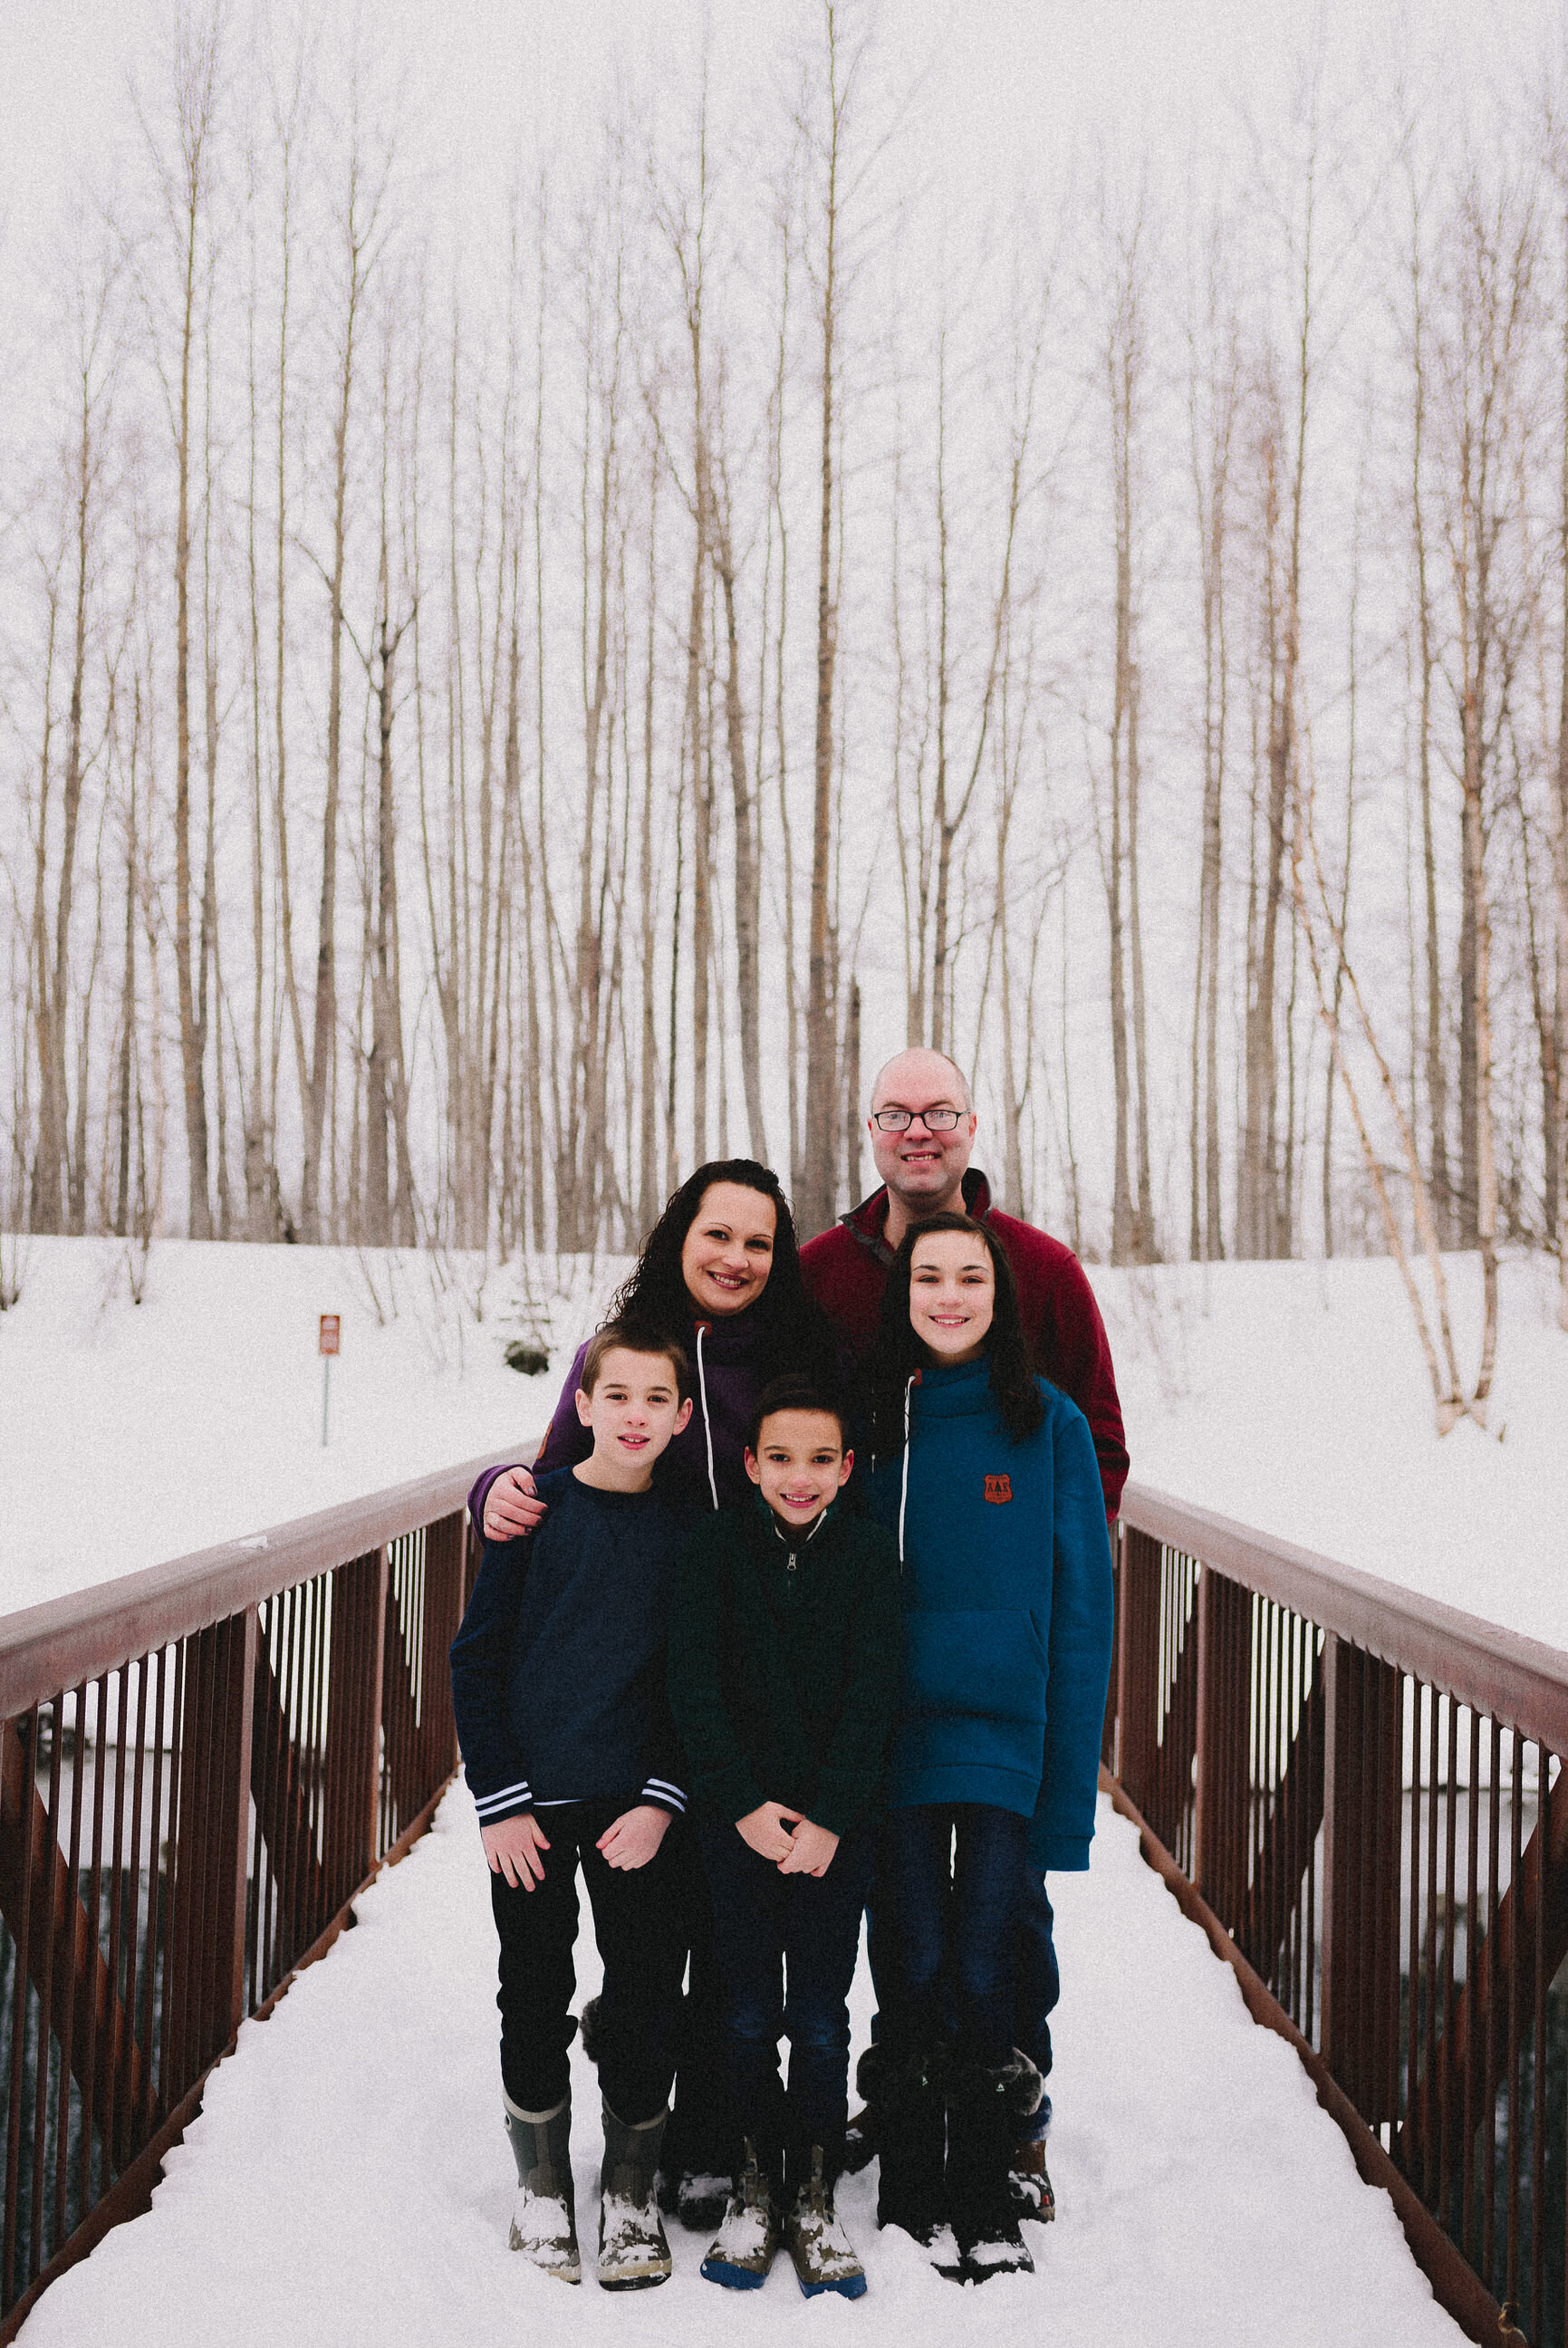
x: 326, y: 1346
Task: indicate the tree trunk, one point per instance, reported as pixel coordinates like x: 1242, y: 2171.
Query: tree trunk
x: 814, y: 1204
x: 195, y: 102
x: 747, y: 897
x: 357, y: 234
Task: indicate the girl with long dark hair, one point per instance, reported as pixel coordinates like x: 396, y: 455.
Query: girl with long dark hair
x: 988, y: 1475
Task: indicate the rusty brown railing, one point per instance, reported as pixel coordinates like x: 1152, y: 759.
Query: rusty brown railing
x: 201, y: 1766
x: 1358, y: 1793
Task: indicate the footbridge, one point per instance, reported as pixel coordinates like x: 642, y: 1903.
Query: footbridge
x: 1312, y: 2075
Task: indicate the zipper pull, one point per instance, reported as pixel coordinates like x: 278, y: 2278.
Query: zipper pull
x: 790, y: 1562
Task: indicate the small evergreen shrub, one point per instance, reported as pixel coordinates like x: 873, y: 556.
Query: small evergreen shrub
x: 529, y: 1358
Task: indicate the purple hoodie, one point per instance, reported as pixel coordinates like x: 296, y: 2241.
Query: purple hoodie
x: 731, y: 1360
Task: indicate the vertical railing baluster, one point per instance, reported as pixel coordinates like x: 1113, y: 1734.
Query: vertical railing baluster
x: 91, y: 1953
x: 1428, y: 2114
x: 1516, y: 1788
x: 26, y: 1745
x: 1539, y: 2086
x: 1410, y: 2111
x: 1446, y: 2063
x: 1490, y: 2010
x: 1472, y: 1974
x: 45, y: 1990
x: 66, y: 1935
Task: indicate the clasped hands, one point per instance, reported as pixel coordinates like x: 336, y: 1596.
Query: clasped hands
x: 791, y: 1841
x: 513, y: 1846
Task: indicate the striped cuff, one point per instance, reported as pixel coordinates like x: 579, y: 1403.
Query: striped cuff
x: 502, y: 1804
x: 664, y: 1797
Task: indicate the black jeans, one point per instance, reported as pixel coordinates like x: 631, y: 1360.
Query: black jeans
x: 787, y: 1946
x: 698, y: 2139
x: 951, y: 1880
x: 640, y: 1929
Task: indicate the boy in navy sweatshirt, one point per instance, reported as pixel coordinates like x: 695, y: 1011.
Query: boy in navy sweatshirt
x: 784, y: 1658
x: 558, y: 1683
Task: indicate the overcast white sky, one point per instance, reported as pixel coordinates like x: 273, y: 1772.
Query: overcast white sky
x: 1013, y: 86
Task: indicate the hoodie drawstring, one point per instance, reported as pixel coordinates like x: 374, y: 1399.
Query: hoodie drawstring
x: 903, y: 1484
x: 707, y: 1422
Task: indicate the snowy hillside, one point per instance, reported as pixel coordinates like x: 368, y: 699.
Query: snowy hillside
x: 1290, y: 1395
x: 1294, y: 1396
x: 130, y: 1433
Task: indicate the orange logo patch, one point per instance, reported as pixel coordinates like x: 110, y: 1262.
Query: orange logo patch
x: 998, y: 1488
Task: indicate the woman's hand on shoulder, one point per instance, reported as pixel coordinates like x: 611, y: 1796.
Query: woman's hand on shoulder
x: 512, y: 1507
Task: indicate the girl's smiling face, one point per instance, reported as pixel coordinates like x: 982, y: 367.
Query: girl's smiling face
x: 951, y: 1296
x: 728, y: 1255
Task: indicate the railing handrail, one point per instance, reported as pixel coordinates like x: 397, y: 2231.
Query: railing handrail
x: 64, y: 1641
x: 1497, y: 1671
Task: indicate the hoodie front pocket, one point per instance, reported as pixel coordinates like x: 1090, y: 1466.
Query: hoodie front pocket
x: 989, y: 1667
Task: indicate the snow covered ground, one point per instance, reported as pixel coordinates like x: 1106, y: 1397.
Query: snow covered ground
x: 1291, y: 1395
x: 348, y: 2181
x: 134, y: 1432
x: 1294, y: 1396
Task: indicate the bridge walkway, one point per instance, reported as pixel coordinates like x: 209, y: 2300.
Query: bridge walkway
x: 347, y: 2182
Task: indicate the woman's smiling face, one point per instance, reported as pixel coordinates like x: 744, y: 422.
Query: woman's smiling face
x: 952, y: 1294
x: 728, y: 1255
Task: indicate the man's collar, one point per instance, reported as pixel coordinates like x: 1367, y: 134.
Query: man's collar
x: 867, y: 1222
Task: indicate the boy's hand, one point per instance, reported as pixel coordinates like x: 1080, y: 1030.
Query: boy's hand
x: 765, y: 1830
x: 812, y: 1850
x: 513, y: 1849
x: 633, y: 1838
x: 512, y: 1507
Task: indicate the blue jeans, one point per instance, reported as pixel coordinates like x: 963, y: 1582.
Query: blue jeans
x: 1037, y: 1986
x: 951, y: 1880
x: 786, y: 1947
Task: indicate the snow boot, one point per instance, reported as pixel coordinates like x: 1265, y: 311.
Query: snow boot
x: 823, y: 2254
x: 910, y: 2192
x: 697, y: 2197
x: 982, y: 2126
x: 633, y: 2252
x: 1029, y: 2180
x: 863, y: 2132
x: 696, y: 2168
x: 543, y: 2216
x: 742, y: 2250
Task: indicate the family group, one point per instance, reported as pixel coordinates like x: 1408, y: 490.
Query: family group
x: 800, y: 1620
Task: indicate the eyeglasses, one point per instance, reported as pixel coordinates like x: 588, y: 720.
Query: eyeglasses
x: 898, y: 1120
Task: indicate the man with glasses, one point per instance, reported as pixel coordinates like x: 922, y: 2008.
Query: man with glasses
x: 922, y: 1125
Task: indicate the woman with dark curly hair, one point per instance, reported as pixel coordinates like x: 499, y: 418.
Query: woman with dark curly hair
x: 988, y: 1475
x: 719, y: 1272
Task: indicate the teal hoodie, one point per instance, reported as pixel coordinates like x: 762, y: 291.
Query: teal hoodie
x: 1006, y: 1585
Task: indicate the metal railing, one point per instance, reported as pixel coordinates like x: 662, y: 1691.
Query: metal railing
x: 1358, y: 1793
x: 201, y: 1766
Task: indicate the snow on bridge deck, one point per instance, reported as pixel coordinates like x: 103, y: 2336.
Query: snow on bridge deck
x: 348, y: 2181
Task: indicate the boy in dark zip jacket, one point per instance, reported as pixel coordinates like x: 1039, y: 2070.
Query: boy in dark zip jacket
x: 784, y: 1648
x: 558, y: 1686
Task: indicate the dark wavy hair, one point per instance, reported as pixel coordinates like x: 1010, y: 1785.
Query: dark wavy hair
x: 654, y: 1293
x: 897, y: 1353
